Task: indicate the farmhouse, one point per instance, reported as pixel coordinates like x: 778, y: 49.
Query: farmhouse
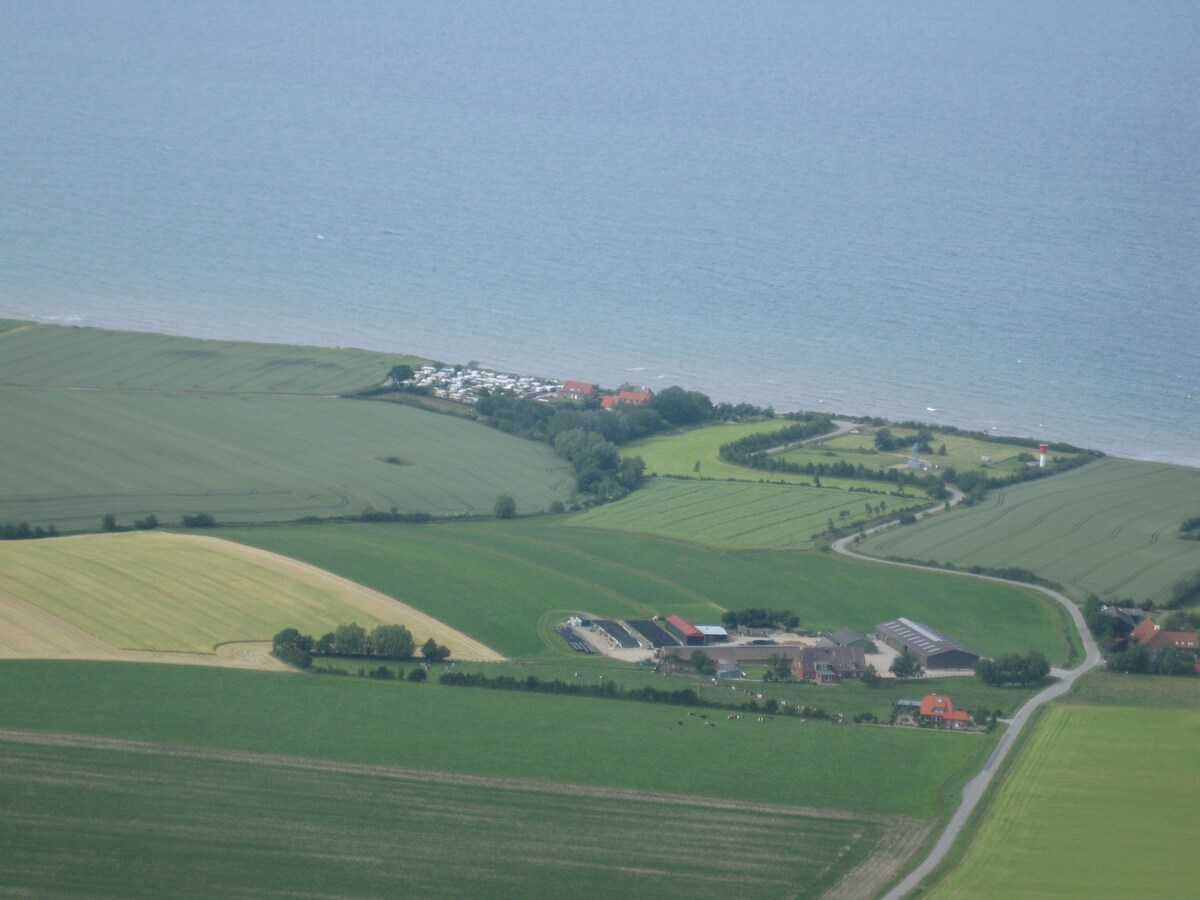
x: 938, y: 709
x: 577, y: 390
x: 1154, y: 639
x: 935, y: 650
x: 1124, y: 619
x: 829, y: 665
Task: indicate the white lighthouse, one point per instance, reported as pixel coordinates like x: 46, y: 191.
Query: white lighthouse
x: 1043, y: 449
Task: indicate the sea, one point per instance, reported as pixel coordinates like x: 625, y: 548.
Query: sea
x: 978, y: 214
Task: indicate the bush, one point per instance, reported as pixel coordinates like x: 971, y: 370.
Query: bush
x: 200, y: 520
x: 417, y: 675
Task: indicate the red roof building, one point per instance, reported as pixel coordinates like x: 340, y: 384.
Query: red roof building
x: 577, y: 390
x: 635, y: 396
x: 938, y: 709
x: 609, y: 402
x: 1154, y: 639
x: 691, y: 635
x: 829, y: 665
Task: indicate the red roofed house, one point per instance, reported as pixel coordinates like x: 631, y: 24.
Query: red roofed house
x: 829, y: 665
x: 635, y: 396
x: 609, y: 402
x: 577, y: 390
x: 1155, y: 639
x: 939, y: 710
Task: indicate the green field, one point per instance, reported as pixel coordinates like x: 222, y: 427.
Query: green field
x: 148, y: 592
x: 157, y: 821
x: 738, y: 516
x: 1100, y: 804
x: 171, y: 427
x: 1107, y: 528
x: 507, y: 583
x: 60, y: 356
x: 574, y: 740
x: 962, y: 452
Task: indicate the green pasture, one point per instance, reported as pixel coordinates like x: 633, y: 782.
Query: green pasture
x: 964, y: 453
x: 508, y: 583
x: 1103, y: 688
x: 73, y: 456
x: 575, y: 740
x: 152, y: 821
x: 677, y: 454
x: 61, y: 356
x: 740, y: 516
x: 146, y: 592
x: 1099, y: 804
x: 10, y: 324
x: 1108, y: 528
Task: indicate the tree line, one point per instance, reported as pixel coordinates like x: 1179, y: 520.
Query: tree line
x: 22, y: 532
x: 385, y: 642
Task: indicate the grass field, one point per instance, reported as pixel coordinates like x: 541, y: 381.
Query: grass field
x: 101, y: 422
x: 1099, y: 804
x: 147, y: 591
x: 963, y: 453
x: 1107, y: 528
x: 125, y: 820
x: 607, y: 743
x: 507, y: 583
x: 738, y: 516
x: 60, y: 356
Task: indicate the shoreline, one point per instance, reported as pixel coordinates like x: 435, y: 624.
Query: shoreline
x: 215, y: 334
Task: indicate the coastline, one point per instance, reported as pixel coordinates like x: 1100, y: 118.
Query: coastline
x: 759, y: 393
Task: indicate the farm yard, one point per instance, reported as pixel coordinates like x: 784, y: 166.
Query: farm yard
x: 110, y: 437
x: 509, y: 583
x: 1107, y: 528
x: 100, y: 595
x: 738, y: 516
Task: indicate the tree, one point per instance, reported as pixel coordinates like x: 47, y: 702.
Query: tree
x: 680, y: 407
x: 884, y: 440
x: 433, y: 651
x: 418, y: 674
x: 506, y: 507
x: 392, y: 641
x: 779, y: 668
x: 147, y: 524
x: 401, y: 373
x: 1171, y: 662
x: 702, y: 662
x: 870, y: 676
x: 556, y: 507
x: 1135, y: 660
x: 350, y: 640
x: 109, y: 522
x: 293, y: 647
x: 907, y: 665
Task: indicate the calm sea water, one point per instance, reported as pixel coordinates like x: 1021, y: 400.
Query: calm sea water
x: 984, y: 215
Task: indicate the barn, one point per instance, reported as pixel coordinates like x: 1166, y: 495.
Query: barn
x: 935, y: 650
x: 689, y: 635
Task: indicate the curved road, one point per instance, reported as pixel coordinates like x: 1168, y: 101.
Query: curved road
x: 973, y: 790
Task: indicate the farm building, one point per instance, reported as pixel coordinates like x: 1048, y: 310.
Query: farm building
x: 848, y: 638
x: 689, y: 635
x: 1154, y: 639
x: 935, y: 650
x: 1124, y: 619
x: 829, y: 665
x: 751, y: 655
x: 938, y: 709
x: 713, y: 633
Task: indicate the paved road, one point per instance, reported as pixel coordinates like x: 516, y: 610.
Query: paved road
x: 844, y: 426
x: 973, y: 790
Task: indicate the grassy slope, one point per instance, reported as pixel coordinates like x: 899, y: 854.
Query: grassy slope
x: 500, y: 581
x: 1108, y: 528
x: 139, y: 592
x: 560, y: 739
x: 1096, y: 789
x: 737, y: 516
x: 247, y: 432
x: 84, y: 820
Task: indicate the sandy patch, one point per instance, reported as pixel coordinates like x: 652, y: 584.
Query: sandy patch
x: 373, y: 602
